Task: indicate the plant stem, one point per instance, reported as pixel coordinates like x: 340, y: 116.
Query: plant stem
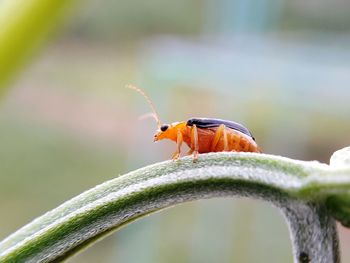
x: 313, y: 232
x: 92, y: 215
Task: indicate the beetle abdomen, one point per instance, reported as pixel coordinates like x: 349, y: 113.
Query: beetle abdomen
x: 236, y: 141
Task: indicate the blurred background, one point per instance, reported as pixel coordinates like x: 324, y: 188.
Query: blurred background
x: 280, y: 67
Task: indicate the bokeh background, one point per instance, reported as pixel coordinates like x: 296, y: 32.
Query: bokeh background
x: 280, y: 67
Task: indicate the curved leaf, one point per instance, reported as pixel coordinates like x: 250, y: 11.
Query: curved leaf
x: 24, y: 26
x: 300, y: 189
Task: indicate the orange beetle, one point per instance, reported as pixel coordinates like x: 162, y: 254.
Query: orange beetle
x: 203, y: 135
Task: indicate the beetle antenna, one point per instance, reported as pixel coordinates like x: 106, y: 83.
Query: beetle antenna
x: 155, y: 114
x: 148, y: 115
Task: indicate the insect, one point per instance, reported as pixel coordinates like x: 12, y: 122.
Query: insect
x: 203, y: 135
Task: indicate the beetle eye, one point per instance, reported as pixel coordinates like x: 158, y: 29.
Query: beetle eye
x: 164, y: 127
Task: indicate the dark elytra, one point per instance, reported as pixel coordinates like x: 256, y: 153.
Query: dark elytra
x: 210, y: 123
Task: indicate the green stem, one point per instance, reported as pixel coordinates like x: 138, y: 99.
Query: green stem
x: 98, y: 212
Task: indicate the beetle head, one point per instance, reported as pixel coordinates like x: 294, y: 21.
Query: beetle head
x: 162, y: 132
x: 168, y: 131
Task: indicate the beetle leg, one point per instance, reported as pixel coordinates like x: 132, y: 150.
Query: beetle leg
x: 225, y: 139
x: 217, y: 137
x: 190, y: 151
x: 221, y: 131
x: 194, y: 142
x: 179, y: 140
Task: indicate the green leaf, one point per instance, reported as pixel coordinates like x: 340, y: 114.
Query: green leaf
x: 301, y: 190
x: 24, y: 26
